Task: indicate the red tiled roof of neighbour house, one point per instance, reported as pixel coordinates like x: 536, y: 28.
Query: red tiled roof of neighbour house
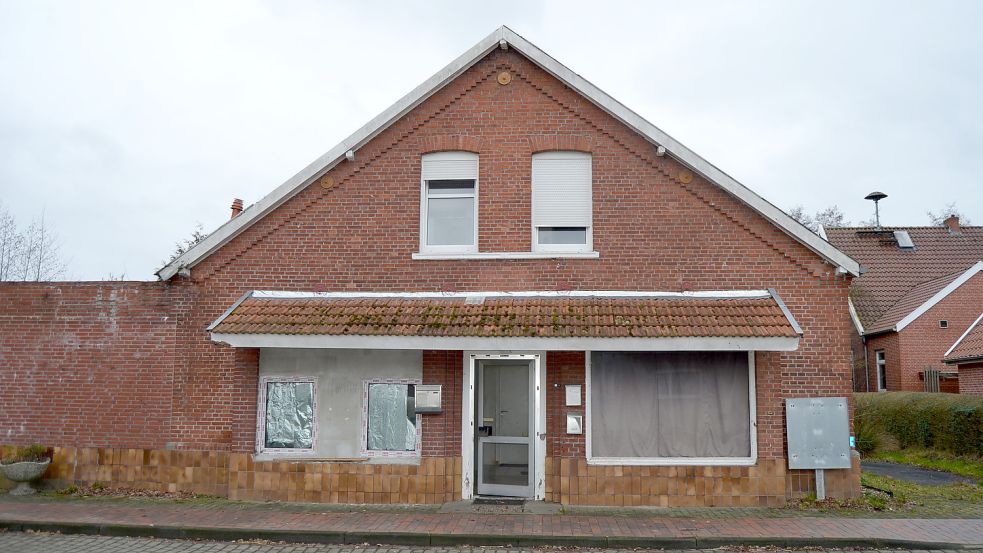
x: 559, y: 317
x: 910, y: 301
x: 969, y: 346
x: 893, y: 272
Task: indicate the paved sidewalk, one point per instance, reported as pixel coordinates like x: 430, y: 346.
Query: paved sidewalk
x: 166, y: 519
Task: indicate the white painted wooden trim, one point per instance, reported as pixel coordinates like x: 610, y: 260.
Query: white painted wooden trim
x: 261, y: 417
x: 881, y: 365
x: 679, y: 461
x: 964, y: 334
x: 617, y: 110
x: 510, y: 255
x: 854, y: 317
x: 324, y: 341
x: 701, y: 294
x: 939, y: 296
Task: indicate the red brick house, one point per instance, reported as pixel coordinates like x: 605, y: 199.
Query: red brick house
x: 966, y: 354
x: 921, y: 289
x: 507, y: 284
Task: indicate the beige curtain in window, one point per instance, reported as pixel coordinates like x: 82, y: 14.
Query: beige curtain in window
x: 670, y: 404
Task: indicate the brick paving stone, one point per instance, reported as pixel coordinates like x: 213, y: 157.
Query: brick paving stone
x: 40, y: 542
x: 271, y: 517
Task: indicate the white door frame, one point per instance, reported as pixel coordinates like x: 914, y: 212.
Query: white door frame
x: 470, y: 360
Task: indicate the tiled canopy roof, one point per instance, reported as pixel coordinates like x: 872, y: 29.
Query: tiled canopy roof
x: 969, y: 346
x: 892, y: 273
x: 546, y: 317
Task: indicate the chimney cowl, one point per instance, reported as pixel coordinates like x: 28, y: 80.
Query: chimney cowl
x: 236, y: 208
x: 952, y: 223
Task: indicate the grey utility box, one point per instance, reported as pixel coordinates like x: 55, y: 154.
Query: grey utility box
x: 818, y: 433
x: 427, y: 398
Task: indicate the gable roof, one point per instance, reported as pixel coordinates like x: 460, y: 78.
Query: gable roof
x: 504, y: 37
x: 969, y: 346
x: 891, y: 273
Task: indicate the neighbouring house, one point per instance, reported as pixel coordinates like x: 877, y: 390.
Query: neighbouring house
x: 921, y: 289
x: 967, y: 355
x: 507, y: 283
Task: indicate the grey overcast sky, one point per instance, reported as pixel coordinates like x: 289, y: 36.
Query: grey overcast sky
x: 127, y: 123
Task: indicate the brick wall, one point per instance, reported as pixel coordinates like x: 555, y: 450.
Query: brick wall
x: 971, y: 379
x: 891, y: 344
x: 88, y: 363
x: 656, y: 227
x: 442, y: 432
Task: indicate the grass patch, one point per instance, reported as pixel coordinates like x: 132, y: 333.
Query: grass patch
x: 904, y: 493
x: 970, y: 467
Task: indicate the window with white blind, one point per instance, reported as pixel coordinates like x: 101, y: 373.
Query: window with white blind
x: 561, y: 202
x: 449, y: 205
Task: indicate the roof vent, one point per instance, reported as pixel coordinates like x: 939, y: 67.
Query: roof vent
x: 904, y: 240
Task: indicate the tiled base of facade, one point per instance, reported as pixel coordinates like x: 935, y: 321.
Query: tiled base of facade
x: 436, y: 479
x: 236, y: 476
x: 766, y: 484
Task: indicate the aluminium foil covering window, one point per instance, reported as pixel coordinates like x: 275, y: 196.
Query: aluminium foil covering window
x: 289, y: 415
x: 391, y: 424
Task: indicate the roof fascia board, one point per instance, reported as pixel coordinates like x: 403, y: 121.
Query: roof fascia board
x: 506, y: 343
x: 939, y: 296
x: 702, y: 294
x: 614, y: 108
x: 961, y: 338
x: 854, y: 316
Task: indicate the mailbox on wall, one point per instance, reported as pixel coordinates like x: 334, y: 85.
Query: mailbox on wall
x: 427, y: 398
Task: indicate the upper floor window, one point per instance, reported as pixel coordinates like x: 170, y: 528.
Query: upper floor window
x: 449, y: 207
x: 561, y: 202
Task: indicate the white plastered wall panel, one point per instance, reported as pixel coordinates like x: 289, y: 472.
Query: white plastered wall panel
x: 341, y: 373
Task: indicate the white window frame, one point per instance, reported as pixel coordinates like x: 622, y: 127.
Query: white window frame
x: 880, y: 361
x: 261, y: 415
x: 364, y: 439
x: 679, y: 461
x: 424, y: 203
x: 588, y: 246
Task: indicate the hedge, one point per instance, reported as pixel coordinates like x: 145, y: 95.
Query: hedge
x: 943, y: 422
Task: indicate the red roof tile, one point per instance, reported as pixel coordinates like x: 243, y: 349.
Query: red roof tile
x: 969, y: 346
x: 893, y: 272
x: 504, y: 317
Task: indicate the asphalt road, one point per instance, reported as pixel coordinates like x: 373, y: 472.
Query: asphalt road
x: 925, y: 477
x: 34, y: 542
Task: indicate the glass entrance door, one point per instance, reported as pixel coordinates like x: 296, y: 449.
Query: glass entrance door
x: 504, y: 447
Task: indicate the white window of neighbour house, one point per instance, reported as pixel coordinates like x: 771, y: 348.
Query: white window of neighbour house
x: 449, y: 206
x: 561, y: 202
x: 286, y: 421
x: 881, y: 362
